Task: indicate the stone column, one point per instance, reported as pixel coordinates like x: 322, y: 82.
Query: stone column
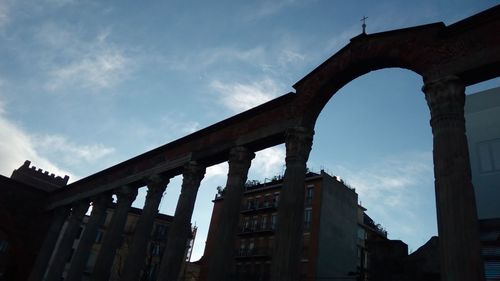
x: 455, y: 203
x: 63, y: 252
x: 221, y: 261
x: 288, y: 244
x: 137, y: 252
x: 58, y: 218
x: 113, y: 236
x: 97, y: 217
x: 181, y: 226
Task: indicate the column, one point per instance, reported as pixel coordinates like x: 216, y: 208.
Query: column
x: 459, y: 246
x: 221, y: 261
x: 58, y: 218
x: 113, y: 236
x: 137, y: 252
x: 181, y: 226
x: 97, y: 217
x: 288, y: 244
x: 63, y: 252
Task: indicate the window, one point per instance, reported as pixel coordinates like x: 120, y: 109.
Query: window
x: 160, y: 231
x: 264, y: 222
x: 489, y: 156
x: 276, y: 198
x: 250, y: 203
x: 307, y: 218
x: 251, y: 246
x: 242, y: 248
x: 155, y: 250
x: 309, y: 194
x: 246, y: 224
x: 274, y: 220
x: 255, y: 221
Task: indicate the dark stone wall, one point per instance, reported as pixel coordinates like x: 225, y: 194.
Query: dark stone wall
x: 23, y: 224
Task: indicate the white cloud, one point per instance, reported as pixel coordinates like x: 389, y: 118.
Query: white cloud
x: 396, y: 191
x: 239, y: 97
x: 391, y: 180
x: 69, y: 152
x: 47, y: 152
x: 73, y: 61
x: 17, y: 146
x: 269, y: 162
x: 102, y: 69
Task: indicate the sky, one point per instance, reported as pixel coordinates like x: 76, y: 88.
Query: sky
x: 87, y: 84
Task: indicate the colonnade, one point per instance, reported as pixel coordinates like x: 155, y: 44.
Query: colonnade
x: 457, y: 219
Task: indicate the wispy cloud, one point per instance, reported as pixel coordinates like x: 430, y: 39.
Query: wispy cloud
x: 61, y: 3
x: 268, y: 162
x: 209, y: 57
x: 239, y: 97
x: 269, y: 7
x: 4, y: 13
x: 102, y: 69
x: 70, y: 152
x: 77, y: 62
x: 17, y: 146
x: 396, y: 190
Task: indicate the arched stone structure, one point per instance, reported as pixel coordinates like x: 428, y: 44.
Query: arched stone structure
x: 447, y: 57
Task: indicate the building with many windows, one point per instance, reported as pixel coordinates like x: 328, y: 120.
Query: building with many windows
x: 332, y: 246
x: 156, y: 245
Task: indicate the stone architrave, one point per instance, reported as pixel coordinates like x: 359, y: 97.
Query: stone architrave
x: 180, y: 229
x: 113, y: 236
x: 63, y: 252
x: 220, y: 263
x: 137, y: 252
x: 59, y: 216
x: 285, y: 265
x: 97, y: 217
x: 459, y: 245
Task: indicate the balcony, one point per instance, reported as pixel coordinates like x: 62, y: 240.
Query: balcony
x: 256, y: 207
x: 267, y: 228
x: 263, y: 252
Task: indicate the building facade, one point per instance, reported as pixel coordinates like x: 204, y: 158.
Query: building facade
x: 156, y: 244
x: 482, y: 111
x: 331, y: 245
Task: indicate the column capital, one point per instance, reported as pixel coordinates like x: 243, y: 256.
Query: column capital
x: 240, y: 155
x: 126, y: 193
x: 193, y: 173
x: 101, y: 201
x: 446, y: 99
x: 298, y: 142
x: 156, y: 184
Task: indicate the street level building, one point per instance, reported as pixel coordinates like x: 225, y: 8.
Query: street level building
x: 482, y: 114
x: 331, y: 230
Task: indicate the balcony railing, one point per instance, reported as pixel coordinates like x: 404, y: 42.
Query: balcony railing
x: 259, y: 206
x: 253, y: 253
x: 258, y: 228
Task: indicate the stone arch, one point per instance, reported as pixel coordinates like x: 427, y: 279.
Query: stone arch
x: 448, y: 58
x: 467, y: 49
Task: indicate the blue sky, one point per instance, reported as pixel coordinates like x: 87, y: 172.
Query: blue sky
x: 87, y: 84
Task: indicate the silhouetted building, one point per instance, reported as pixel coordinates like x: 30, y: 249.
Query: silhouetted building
x: 156, y: 245
x: 334, y: 231
x: 23, y: 218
